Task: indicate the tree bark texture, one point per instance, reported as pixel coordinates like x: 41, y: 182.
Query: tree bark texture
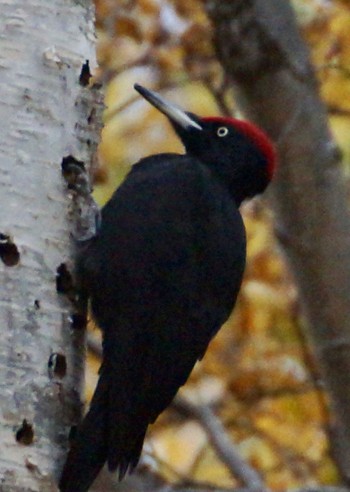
x: 46, y: 114
x: 260, y: 48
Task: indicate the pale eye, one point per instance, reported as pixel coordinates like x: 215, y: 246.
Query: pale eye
x: 222, y: 131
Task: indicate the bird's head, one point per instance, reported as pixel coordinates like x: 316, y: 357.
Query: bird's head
x: 237, y: 151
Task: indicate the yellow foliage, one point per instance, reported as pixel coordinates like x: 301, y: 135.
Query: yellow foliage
x: 258, y: 371
x: 209, y: 469
x: 180, y: 446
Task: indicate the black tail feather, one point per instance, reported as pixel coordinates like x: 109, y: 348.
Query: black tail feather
x: 106, y: 434
x: 125, y: 456
x: 89, y: 448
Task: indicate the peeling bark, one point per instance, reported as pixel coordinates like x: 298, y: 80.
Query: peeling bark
x: 46, y: 114
x: 260, y: 48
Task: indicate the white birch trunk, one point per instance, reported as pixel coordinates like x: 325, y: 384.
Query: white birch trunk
x: 44, y: 116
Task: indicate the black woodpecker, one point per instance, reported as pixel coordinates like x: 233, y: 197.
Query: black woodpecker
x: 162, y: 275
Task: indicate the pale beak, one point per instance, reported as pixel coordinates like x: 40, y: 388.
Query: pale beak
x: 174, y: 113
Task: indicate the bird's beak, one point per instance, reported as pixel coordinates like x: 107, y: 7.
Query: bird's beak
x: 175, y: 114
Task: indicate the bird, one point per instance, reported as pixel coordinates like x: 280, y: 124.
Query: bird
x: 162, y: 275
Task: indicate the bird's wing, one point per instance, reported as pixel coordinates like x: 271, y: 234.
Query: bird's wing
x: 173, y: 261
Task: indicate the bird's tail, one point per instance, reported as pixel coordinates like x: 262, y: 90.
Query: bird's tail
x: 105, y: 434
x: 89, y: 448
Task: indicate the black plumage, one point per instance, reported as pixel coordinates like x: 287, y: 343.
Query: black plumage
x: 163, y: 275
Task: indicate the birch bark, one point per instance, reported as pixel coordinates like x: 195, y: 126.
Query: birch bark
x: 46, y: 114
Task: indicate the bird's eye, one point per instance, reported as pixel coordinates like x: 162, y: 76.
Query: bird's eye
x: 222, y: 131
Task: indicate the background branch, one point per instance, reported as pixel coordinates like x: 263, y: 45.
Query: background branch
x: 260, y: 48
x: 220, y: 441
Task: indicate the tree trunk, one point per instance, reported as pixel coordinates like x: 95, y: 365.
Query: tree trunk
x: 47, y: 114
x: 259, y: 46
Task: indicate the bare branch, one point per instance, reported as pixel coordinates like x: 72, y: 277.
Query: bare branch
x: 220, y: 441
x: 260, y: 48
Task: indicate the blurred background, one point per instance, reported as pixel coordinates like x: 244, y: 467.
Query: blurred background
x: 258, y: 374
